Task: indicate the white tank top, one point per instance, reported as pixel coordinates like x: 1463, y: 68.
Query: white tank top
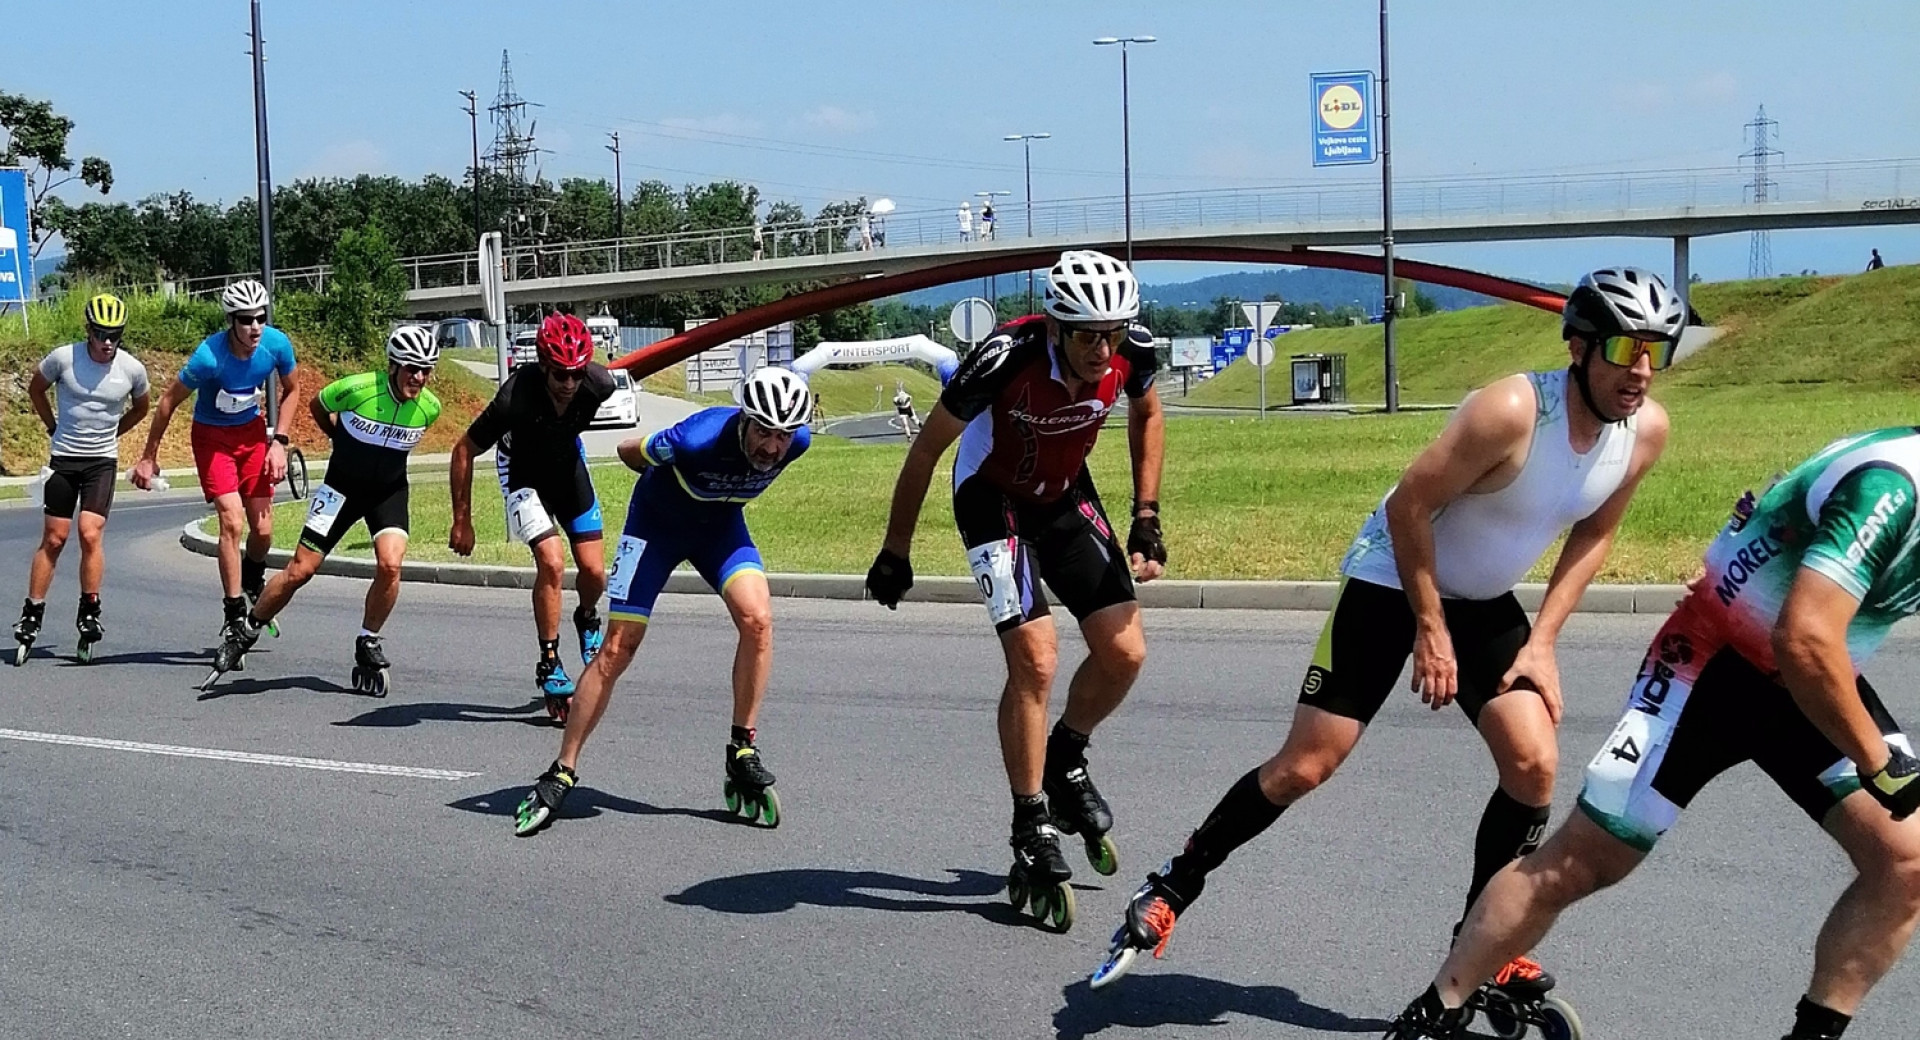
x: 1484, y: 544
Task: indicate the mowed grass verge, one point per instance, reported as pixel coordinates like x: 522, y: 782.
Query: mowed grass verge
x: 1243, y: 498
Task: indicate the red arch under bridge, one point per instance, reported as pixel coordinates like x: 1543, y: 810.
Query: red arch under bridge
x: 669, y: 351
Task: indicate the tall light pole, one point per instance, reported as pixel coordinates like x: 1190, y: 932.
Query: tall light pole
x: 264, y: 169
x: 1392, y: 302
x: 1126, y: 133
x: 473, y: 123
x: 1026, y: 146
x: 619, y: 194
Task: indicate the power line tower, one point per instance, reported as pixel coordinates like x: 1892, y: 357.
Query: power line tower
x: 513, y: 155
x: 1760, y: 189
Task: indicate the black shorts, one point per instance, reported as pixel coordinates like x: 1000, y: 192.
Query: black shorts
x: 1012, y: 545
x: 1369, y: 636
x: 564, y: 493
x: 80, y: 480
x: 1699, y: 708
x: 331, y: 512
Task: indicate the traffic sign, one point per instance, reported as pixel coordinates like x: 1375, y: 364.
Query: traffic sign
x: 1261, y: 315
x: 1260, y: 352
x: 972, y: 320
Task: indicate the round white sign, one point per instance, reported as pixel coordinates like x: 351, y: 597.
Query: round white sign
x: 1260, y: 352
x: 972, y: 320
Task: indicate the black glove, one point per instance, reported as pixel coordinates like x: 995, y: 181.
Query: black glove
x: 889, y: 578
x: 1143, y: 539
x: 1897, y: 786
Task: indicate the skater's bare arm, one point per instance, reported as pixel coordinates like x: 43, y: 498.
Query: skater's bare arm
x: 136, y: 410
x: 633, y: 452
x: 38, y: 392
x: 910, y: 491
x: 149, y: 465
x: 460, y: 491
x: 322, y: 419
x: 1146, y: 442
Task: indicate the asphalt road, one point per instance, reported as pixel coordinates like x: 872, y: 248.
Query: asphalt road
x: 154, y: 895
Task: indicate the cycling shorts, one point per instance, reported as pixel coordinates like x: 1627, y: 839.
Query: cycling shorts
x: 1698, y: 708
x: 1368, y: 637
x: 332, y: 512
x: 232, y: 460
x: 651, y: 546
x: 82, y: 481
x: 563, y: 494
x: 1013, y: 544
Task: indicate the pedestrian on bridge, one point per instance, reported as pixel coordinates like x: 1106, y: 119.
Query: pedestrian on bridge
x: 966, y: 222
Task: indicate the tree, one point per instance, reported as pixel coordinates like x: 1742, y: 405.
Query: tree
x: 36, y: 138
x: 366, y: 292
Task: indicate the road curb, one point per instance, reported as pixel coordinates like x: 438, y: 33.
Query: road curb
x: 1173, y: 594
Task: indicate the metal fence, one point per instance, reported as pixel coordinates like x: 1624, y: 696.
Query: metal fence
x: 1888, y: 183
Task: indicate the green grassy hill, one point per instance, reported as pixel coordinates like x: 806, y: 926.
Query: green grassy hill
x: 843, y: 391
x: 1863, y: 329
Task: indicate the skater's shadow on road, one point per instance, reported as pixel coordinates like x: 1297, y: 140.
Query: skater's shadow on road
x: 583, y: 803
x: 778, y: 891
x: 399, y: 716
x: 178, y: 658
x: 1153, y: 999
x: 249, y: 687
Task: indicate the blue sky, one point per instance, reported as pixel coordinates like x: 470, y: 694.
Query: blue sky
x: 837, y: 98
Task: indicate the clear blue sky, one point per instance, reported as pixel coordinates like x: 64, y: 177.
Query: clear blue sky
x: 836, y: 98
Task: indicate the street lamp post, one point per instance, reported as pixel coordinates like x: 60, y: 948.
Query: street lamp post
x: 1026, y: 146
x: 473, y: 125
x: 1126, y: 133
x: 1392, y: 303
x: 991, y: 228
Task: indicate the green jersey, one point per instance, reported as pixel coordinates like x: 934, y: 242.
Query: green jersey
x: 376, y: 429
x: 1849, y: 513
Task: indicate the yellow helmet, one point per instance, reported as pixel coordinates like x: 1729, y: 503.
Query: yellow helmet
x: 105, y: 311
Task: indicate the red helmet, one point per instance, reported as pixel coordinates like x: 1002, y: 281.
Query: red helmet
x: 564, y: 342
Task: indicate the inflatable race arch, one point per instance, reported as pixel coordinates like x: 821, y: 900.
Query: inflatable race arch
x: 903, y: 348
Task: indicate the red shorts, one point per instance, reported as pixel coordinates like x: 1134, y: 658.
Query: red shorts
x: 232, y: 459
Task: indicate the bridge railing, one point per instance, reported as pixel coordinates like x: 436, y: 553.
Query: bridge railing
x: 1348, y: 203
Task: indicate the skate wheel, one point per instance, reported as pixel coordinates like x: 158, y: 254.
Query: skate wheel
x: 734, y: 802
x: 1118, y: 961
x: 531, y: 816
x: 557, y: 709
x: 1558, y: 1021
x: 1104, y: 855
x: 84, y: 653
x: 1059, y: 908
x: 769, y: 816
x: 20, y: 653
x: 1016, y: 891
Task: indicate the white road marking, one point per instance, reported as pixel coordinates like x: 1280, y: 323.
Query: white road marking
x: 216, y: 754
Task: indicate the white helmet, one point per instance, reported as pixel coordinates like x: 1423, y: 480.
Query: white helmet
x: 246, y: 295
x: 413, y: 345
x: 1091, y: 286
x: 1622, y: 301
x: 776, y: 398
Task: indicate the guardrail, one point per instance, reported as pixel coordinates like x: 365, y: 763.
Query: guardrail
x: 1879, y: 183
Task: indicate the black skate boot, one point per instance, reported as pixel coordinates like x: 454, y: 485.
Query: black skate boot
x: 370, y: 666
x: 1427, y: 1019
x: 239, y: 638
x: 537, y: 808
x: 87, y: 621
x: 749, y: 784
x: 1075, y: 804
x: 1039, y: 878
x: 1151, y: 914
x: 27, y: 629
x: 253, y: 582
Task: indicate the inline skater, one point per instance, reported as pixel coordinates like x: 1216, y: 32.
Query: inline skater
x: 374, y: 419
x: 1431, y: 576
x: 688, y: 505
x: 534, y: 426
x: 102, y: 393
x: 1761, y: 662
x: 1026, y: 407
x: 903, y: 407
x: 240, y: 458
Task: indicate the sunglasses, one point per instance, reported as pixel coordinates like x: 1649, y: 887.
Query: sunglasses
x: 566, y: 376
x: 417, y: 370
x: 250, y: 319
x: 1624, y: 351
x: 1094, y: 337
x: 106, y: 335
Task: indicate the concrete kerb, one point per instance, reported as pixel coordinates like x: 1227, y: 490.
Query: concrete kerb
x: 1174, y: 594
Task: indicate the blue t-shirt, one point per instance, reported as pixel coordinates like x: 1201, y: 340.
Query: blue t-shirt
x: 227, y: 389
x: 700, y: 460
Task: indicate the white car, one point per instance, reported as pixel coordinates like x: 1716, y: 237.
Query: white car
x: 623, y: 408
x: 523, y: 349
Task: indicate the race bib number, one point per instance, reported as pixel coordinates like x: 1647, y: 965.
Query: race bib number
x: 626, y: 563
x: 1610, y: 776
x: 234, y: 403
x: 323, y: 509
x: 992, y: 566
x: 527, y: 517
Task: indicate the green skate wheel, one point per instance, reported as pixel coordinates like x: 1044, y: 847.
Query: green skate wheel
x: 1059, y: 915
x: 1558, y: 1021
x: 1016, y: 891
x: 734, y: 801
x: 769, y: 809
x: 1038, y: 903
x: 1104, y: 855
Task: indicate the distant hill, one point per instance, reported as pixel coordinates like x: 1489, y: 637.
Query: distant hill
x: 1292, y: 284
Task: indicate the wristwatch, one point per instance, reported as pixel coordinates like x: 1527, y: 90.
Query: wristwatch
x: 275, y: 435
